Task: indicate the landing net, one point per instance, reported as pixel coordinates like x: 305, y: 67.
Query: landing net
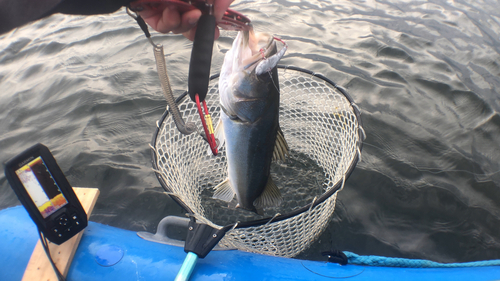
x: 321, y: 124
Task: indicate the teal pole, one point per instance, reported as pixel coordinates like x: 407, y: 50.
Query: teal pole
x: 187, y: 267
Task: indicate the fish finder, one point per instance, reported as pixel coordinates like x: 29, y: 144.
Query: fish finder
x: 46, y: 194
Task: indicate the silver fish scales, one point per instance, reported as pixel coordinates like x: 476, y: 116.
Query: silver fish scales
x: 249, y: 125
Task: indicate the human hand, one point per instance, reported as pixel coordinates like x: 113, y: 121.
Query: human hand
x: 166, y: 17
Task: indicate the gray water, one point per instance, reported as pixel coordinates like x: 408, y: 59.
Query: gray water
x: 425, y: 75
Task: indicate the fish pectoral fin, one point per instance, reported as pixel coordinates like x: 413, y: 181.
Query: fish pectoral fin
x: 270, y: 197
x: 223, y: 191
x: 281, y: 149
x: 219, y: 134
x: 220, y: 139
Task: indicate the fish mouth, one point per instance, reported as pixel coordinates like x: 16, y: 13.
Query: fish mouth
x: 261, y: 45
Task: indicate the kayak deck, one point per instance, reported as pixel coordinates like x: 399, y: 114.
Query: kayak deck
x: 139, y: 259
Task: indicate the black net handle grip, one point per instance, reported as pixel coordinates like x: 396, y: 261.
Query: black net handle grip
x: 201, y: 57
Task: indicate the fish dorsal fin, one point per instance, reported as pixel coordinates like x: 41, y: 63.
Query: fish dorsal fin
x: 270, y: 197
x: 281, y: 150
x: 223, y: 191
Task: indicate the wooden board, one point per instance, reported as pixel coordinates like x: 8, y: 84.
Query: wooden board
x: 39, y: 267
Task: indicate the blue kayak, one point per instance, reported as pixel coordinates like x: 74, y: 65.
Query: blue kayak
x: 109, y: 253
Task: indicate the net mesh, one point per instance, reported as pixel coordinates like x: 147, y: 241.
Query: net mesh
x: 322, y: 129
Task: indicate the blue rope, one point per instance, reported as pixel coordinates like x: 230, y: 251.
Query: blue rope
x: 411, y: 263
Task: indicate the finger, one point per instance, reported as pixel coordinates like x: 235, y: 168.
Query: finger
x: 190, y: 34
x: 217, y: 33
x: 169, y: 20
x: 220, y: 7
x: 188, y: 21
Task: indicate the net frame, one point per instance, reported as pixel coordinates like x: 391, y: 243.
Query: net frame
x: 282, y: 234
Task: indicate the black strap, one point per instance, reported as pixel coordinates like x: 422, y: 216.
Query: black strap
x: 143, y: 26
x: 201, y: 57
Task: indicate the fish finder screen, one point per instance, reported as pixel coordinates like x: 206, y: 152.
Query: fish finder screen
x: 41, y: 187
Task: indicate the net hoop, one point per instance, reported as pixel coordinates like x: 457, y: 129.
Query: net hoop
x: 277, y: 218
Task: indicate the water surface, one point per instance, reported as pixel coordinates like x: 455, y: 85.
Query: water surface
x: 425, y: 75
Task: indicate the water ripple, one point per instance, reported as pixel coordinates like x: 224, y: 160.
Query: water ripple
x: 425, y: 75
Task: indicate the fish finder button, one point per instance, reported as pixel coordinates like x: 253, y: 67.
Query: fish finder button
x: 75, y: 219
x: 63, y: 220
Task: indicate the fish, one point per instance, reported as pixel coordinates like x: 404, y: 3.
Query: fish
x: 249, y: 122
